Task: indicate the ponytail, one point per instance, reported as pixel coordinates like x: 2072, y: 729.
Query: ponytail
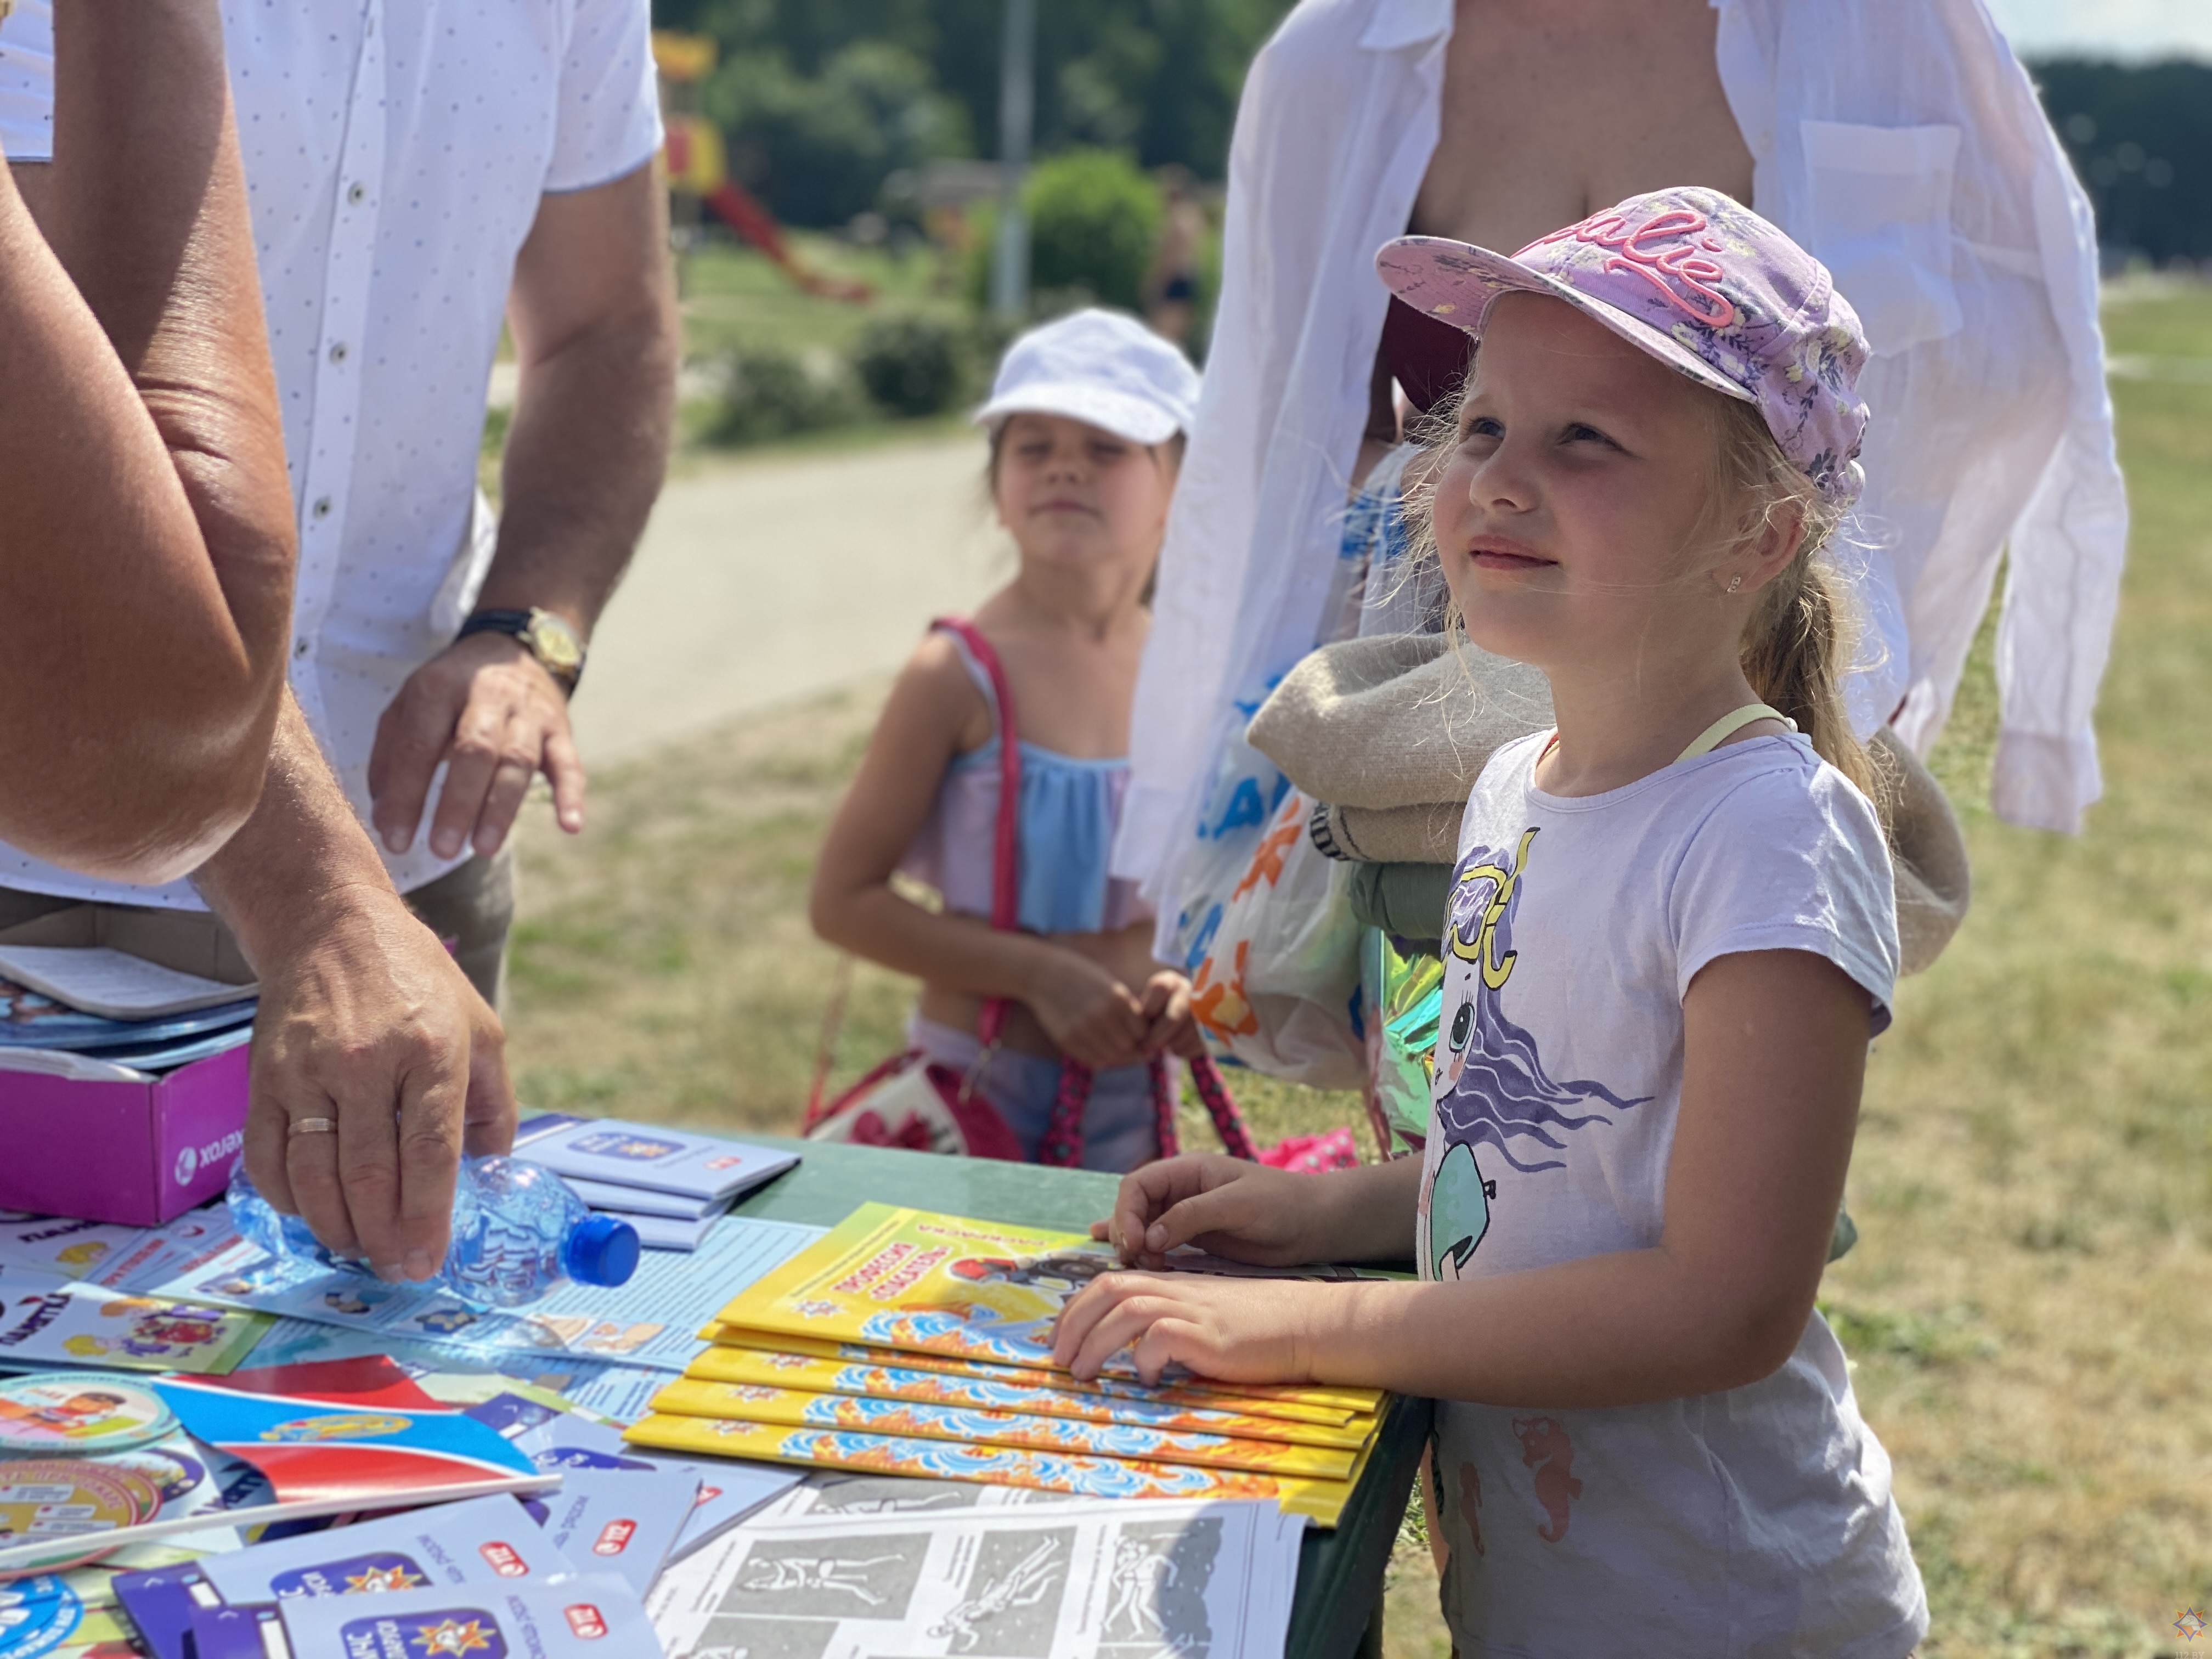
x: 1799, y: 637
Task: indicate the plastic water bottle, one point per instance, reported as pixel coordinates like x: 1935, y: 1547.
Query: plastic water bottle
x: 518, y: 1233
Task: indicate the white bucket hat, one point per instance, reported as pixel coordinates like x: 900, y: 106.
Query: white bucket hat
x: 1101, y: 367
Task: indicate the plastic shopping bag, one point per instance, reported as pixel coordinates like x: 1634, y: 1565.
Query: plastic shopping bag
x: 1274, y: 962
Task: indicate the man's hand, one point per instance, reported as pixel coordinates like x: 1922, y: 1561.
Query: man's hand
x: 489, y: 711
x: 366, y: 1019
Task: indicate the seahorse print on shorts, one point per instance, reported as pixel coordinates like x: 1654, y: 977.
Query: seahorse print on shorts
x: 1545, y: 1449
x: 1470, y: 1503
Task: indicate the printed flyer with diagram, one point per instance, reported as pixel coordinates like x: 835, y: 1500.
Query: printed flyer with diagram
x: 1066, y: 1581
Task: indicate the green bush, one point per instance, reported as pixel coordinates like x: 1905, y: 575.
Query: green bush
x: 1094, y: 222
x: 913, y: 366
x: 772, y: 393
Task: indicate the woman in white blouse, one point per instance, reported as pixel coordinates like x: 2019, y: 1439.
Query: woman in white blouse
x: 1898, y: 140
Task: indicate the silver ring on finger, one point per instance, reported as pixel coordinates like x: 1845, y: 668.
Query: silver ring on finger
x: 314, y: 1126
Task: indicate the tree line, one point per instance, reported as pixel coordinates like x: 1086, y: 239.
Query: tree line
x: 822, y: 100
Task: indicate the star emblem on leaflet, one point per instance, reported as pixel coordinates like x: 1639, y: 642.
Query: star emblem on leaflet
x: 452, y: 1636
x: 377, y: 1579
x: 2191, y: 1625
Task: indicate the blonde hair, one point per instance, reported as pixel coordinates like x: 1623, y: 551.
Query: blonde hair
x: 1800, y: 634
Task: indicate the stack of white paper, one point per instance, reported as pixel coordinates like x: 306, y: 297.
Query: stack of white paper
x: 112, y: 984
x: 667, y: 1184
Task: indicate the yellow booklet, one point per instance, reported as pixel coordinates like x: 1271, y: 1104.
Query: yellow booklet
x: 1208, y: 1396
x: 1320, y: 1501
x: 763, y: 1403
x: 900, y: 1382
x: 913, y: 1280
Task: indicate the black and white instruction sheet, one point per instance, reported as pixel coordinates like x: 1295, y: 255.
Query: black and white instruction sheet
x: 919, y: 1568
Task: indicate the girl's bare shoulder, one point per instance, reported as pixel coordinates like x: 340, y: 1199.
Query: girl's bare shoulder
x: 935, y: 695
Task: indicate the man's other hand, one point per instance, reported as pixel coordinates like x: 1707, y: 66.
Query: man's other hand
x: 487, y: 710
x: 367, y: 1021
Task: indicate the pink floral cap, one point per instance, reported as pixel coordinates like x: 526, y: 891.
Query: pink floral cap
x: 1701, y: 282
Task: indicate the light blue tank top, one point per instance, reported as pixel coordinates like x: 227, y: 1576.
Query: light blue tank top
x: 1070, y: 809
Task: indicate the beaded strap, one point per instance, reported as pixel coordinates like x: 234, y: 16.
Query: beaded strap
x: 1062, y: 1144
x: 1163, y: 1108
x: 1227, y: 1121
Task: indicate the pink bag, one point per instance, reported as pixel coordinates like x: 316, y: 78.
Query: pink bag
x: 908, y: 1102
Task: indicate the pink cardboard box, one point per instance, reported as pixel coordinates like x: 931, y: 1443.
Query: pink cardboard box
x: 136, y: 1153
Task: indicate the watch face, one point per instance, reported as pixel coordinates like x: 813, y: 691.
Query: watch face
x: 555, y: 643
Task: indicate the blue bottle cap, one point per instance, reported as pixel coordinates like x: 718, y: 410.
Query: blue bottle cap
x: 601, y: 1250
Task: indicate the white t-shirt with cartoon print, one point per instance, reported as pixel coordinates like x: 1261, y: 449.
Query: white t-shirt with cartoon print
x: 1754, y: 1522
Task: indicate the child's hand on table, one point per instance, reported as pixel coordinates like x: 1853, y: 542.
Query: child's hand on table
x: 1244, y: 1211
x: 1232, y: 1330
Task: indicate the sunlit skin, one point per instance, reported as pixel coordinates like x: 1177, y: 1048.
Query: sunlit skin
x: 1086, y: 510
x: 1573, y: 519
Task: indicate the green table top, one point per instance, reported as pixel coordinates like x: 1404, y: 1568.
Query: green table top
x: 1340, y: 1572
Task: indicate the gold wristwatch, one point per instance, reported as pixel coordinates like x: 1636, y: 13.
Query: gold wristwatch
x: 545, y: 636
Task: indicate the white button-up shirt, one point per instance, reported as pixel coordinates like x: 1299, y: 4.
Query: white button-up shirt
x: 396, y: 152
x: 1900, y: 142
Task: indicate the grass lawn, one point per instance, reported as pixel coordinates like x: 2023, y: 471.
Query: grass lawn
x: 2029, y: 1311
x: 734, y: 296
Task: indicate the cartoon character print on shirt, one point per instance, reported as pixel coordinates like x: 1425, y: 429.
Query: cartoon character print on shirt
x: 1491, y: 1086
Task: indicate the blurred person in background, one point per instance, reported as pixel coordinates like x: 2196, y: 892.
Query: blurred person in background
x: 1171, y: 284
x: 421, y: 172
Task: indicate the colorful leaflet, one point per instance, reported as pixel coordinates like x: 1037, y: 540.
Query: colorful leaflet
x: 1320, y: 1501
x: 912, y: 1279
x: 752, y: 1402
x: 1261, y: 1401
x: 791, y: 1370
x: 48, y: 1319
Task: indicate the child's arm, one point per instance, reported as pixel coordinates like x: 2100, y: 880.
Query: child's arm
x: 1775, y: 1053
x: 934, y: 712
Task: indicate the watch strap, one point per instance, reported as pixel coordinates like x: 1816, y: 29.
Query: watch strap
x: 521, y: 626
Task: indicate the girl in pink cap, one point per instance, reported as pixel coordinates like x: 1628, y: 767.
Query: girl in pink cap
x: 1671, y: 938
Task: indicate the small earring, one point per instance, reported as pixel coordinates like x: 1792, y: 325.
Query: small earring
x: 1735, y: 582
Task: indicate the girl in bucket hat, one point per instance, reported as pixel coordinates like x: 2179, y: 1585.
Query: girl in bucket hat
x: 1044, y: 1025
x: 1671, y: 936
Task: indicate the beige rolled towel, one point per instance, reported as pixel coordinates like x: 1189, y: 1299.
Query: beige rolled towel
x: 1928, y: 851
x: 1390, y: 733
x: 1427, y: 834
x: 1400, y: 720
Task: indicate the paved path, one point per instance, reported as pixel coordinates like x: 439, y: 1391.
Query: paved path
x: 763, y: 581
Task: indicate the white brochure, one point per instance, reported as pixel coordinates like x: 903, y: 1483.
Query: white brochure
x: 1085, y: 1580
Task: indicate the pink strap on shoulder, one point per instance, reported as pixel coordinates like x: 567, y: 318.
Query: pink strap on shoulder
x: 1007, y: 845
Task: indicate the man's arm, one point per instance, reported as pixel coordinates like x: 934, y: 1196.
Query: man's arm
x: 146, y: 533
x: 364, y: 1019
x: 593, y: 314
